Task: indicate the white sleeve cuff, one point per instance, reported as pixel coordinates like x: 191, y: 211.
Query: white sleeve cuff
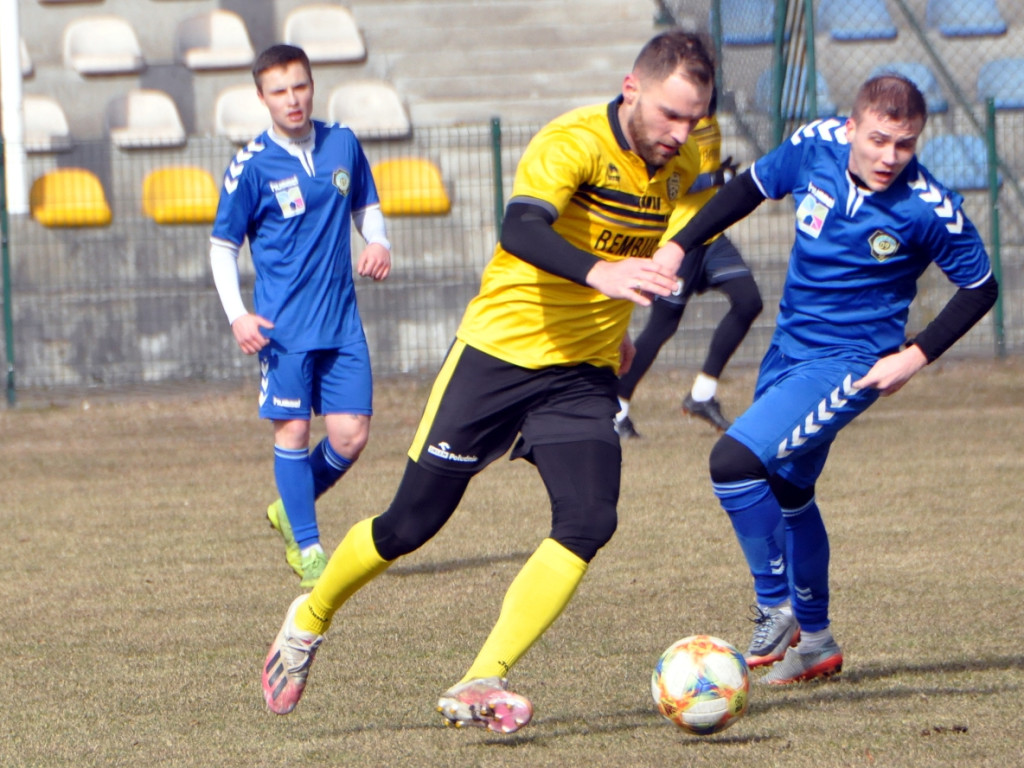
x: 370, y: 223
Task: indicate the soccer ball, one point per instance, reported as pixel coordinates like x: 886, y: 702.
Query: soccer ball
x: 701, y: 684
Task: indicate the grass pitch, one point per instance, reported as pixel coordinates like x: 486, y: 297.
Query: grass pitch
x: 143, y: 584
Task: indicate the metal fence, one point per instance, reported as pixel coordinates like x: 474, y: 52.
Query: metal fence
x: 133, y: 301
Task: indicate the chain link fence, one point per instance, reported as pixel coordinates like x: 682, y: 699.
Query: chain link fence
x: 133, y: 301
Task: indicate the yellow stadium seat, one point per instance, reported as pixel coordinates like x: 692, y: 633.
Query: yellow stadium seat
x: 179, y: 195
x: 69, y: 197
x: 410, y: 186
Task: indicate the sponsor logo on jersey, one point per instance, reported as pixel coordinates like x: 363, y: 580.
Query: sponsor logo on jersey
x: 883, y: 245
x: 618, y: 244
x: 821, y: 195
x: 443, y: 450
x: 810, y: 216
x: 341, y: 181
x: 289, y: 196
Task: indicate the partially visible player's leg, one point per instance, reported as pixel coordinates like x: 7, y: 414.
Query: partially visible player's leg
x: 725, y: 271
x: 582, y: 480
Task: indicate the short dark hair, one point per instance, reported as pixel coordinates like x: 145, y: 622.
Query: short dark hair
x: 893, y: 96
x: 280, y: 55
x: 665, y: 54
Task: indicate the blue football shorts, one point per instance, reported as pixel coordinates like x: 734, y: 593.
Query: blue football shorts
x: 294, y: 386
x: 799, y: 407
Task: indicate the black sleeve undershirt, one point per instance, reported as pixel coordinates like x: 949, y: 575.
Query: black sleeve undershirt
x: 734, y: 201
x: 527, y: 234
x: 965, y: 308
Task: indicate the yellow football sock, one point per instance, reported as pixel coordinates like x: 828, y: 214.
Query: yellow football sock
x: 354, y: 563
x: 536, y: 597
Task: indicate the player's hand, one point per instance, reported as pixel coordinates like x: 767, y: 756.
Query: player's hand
x: 246, y: 330
x: 633, y: 279
x: 891, y: 372
x: 627, y: 351
x: 374, y: 261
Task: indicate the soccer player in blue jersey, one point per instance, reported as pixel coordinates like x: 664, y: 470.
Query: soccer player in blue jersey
x: 869, y: 220
x: 294, y: 192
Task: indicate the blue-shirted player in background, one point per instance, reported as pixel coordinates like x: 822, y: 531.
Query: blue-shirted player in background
x: 294, y: 192
x: 869, y: 220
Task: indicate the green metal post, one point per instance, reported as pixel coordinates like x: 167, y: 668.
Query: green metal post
x: 993, y: 197
x: 778, y: 72
x: 5, y: 262
x: 810, y: 66
x: 499, y: 191
x: 716, y: 41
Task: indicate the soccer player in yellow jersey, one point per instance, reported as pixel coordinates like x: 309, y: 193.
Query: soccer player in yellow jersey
x: 722, y: 269
x: 533, y: 368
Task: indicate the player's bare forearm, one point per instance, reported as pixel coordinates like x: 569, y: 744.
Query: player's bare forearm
x: 891, y: 372
x: 670, y: 256
x: 374, y: 262
x: 633, y: 279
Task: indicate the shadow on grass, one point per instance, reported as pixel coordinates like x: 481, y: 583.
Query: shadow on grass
x: 545, y: 729
x: 462, y: 564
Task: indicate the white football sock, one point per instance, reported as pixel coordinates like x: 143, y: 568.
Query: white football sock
x: 704, y: 388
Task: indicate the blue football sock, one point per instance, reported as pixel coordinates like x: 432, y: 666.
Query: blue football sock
x: 294, y: 477
x: 328, y: 467
x: 757, y: 520
x: 807, y: 553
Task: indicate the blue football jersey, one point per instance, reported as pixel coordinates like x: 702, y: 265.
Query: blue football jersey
x: 296, y: 212
x: 857, y: 255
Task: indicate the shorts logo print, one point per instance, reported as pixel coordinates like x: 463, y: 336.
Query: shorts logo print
x: 443, y: 450
x: 823, y: 413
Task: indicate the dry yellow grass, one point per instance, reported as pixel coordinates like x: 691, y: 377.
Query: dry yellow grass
x: 142, y: 585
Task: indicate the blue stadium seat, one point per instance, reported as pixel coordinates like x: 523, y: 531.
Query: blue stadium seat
x: 959, y: 161
x: 792, y: 101
x: 920, y: 75
x: 1002, y: 80
x: 747, y: 22
x: 965, y: 18
x: 855, y: 20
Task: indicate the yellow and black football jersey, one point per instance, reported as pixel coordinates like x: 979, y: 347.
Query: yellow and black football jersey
x: 608, y: 202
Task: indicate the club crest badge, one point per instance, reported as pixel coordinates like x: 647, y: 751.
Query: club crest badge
x: 674, y: 185
x: 341, y: 181
x: 883, y: 245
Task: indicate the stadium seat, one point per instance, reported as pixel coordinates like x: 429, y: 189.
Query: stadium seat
x: 371, y: 108
x: 959, y: 161
x: 920, y: 75
x: 965, y: 18
x: 855, y: 20
x: 179, y: 195
x: 69, y: 197
x: 327, y: 33
x: 747, y: 22
x: 239, y: 115
x: 102, y: 45
x: 46, y: 125
x: 793, y: 101
x: 1003, y: 81
x: 410, y: 186
x: 27, y: 67
x: 215, y: 39
x: 144, y: 118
